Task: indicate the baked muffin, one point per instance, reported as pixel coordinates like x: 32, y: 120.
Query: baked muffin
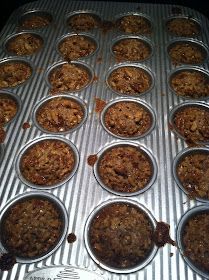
x: 183, y: 27
x: 195, y: 240
x: 191, y: 84
x: 31, y: 227
x: 47, y: 162
x: 68, y: 77
x: 131, y: 49
x: 125, y: 169
x: 76, y: 46
x: 83, y: 22
x: 8, y: 109
x: 127, y: 119
x: 14, y: 73
x: 60, y: 114
x: 24, y: 44
x: 120, y: 235
x: 186, y: 53
x: 129, y: 80
x: 134, y: 24
x: 193, y: 174
x: 35, y: 20
x: 192, y: 122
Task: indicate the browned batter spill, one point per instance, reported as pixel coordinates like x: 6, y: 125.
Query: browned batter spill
x: 7, y: 261
x: 71, y: 237
x: 162, y: 236
x: 91, y: 160
x: 100, y: 104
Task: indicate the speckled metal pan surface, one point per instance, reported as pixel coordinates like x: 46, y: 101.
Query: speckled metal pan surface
x: 82, y: 193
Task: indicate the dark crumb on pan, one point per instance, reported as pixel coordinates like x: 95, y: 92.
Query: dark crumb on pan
x: 26, y: 125
x: 161, y: 235
x: 71, y: 237
x: 171, y: 254
x: 91, y: 160
x: 100, y: 104
x: 7, y: 261
x: 193, y: 173
x: 195, y: 241
x: 121, y: 235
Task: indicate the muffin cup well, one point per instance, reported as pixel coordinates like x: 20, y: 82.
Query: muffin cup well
x: 142, y: 104
x: 87, y: 36
x: 79, y: 64
x: 179, y: 236
x: 198, y: 44
x: 17, y: 59
x: 179, y: 158
x: 192, y: 69
x: 13, y: 36
x: 38, y: 195
x: 181, y: 107
x: 142, y: 39
x: 29, y: 145
x: 133, y: 65
x: 16, y: 99
x: 44, y: 101
x: 144, y: 151
x: 31, y: 13
x: 91, y: 13
x: 94, y: 214
x: 194, y: 20
x: 146, y: 18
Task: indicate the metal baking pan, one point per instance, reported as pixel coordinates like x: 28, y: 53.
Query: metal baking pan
x: 82, y: 193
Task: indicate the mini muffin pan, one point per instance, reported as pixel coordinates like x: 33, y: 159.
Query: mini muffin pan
x: 82, y: 192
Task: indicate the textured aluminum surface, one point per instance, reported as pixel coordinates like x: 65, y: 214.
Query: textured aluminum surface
x: 42, y: 195
x: 94, y: 214
x: 165, y: 200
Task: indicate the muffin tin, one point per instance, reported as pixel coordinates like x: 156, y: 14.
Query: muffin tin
x: 82, y: 193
